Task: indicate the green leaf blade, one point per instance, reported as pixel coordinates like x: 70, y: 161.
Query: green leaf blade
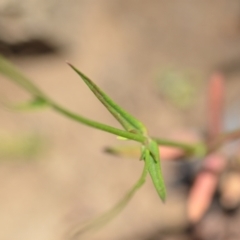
x: 154, y: 169
x: 154, y: 150
x: 124, y: 118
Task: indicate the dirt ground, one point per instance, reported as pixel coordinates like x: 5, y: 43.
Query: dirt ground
x: 123, y: 46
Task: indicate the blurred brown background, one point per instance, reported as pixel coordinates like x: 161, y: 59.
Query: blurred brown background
x: 125, y: 47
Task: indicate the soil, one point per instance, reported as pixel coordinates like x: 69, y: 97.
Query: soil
x: 124, y: 46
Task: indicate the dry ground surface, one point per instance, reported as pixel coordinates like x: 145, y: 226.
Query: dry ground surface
x: 122, y: 46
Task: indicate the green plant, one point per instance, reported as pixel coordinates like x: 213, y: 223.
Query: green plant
x: 133, y: 130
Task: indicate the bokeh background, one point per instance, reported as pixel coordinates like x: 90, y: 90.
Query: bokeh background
x: 152, y: 57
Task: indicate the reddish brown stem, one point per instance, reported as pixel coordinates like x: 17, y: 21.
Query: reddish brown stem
x: 223, y: 138
x: 215, y: 105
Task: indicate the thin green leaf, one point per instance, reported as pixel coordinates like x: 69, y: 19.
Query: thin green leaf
x: 124, y: 118
x: 106, y: 217
x: 143, y: 152
x: 154, y: 170
x: 154, y: 150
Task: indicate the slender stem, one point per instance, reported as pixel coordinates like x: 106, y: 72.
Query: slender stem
x: 7, y: 69
x: 215, y: 105
x: 231, y: 136
x: 223, y: 138
x: 170, y: 143
x: 97, y: 125
x: 13, y: 74
x: 109, y: 215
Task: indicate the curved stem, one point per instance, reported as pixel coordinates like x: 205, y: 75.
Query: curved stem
x: 109, y: 215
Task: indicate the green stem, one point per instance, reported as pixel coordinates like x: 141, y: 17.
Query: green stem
x: 13, y: 74
x: 7, y: 69
x: 109, y: 215
x: 184, y: 146
x: 97, y: 125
